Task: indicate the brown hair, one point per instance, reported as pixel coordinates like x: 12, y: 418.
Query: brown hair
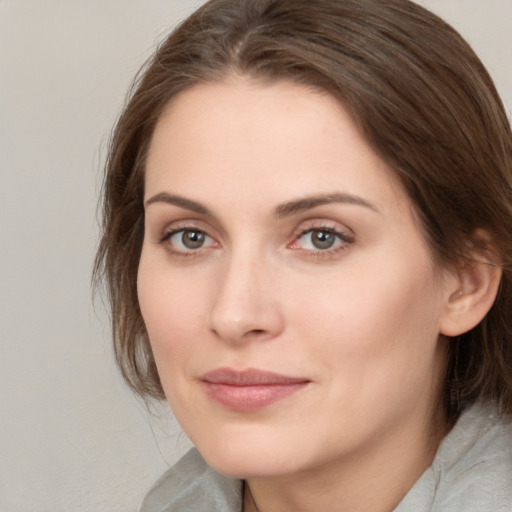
x: 421, y: 97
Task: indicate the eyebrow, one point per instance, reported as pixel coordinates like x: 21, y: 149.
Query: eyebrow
x: 286, y: 209
x: 182, y: 202
x: 293, y: 207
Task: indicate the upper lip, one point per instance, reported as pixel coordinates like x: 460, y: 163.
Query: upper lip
x: 249, y: 377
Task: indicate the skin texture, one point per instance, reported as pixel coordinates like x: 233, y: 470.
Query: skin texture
x: 361, y: 321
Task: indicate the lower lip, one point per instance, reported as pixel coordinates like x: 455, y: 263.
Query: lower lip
x: 251, y: 398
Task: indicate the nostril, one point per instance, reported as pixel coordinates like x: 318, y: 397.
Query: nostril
x: 255, y: 332
x: 236, y: 321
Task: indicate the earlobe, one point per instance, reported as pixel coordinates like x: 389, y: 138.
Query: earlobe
x: 473, y: 292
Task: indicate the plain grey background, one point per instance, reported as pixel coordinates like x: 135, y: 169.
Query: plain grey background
x: 72, y: 437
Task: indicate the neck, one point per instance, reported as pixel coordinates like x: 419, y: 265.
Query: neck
x: 374, y: 479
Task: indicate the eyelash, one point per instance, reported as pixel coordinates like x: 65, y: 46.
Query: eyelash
x: 342, y: 241
x: 167, y: 236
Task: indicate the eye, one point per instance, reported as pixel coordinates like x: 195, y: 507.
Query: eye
x: 321, y: 239
x: 187, y: 240
x: 316, y: 239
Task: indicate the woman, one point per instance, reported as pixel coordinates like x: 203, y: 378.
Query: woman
x: 307, y: 246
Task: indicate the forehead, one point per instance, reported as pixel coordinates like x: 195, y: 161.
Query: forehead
x: 263, y: 141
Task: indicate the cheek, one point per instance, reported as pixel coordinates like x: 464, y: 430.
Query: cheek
x: 173, y: 309
x: 371, y: 322
x: 376, y: 341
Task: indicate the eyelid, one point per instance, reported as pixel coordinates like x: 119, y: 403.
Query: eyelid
x: 161, y: 229
x: 171, y: 232
x: 344, y: 234
x: 326, y: 225
x: 171, y: 229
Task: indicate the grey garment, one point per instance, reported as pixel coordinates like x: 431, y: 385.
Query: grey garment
x: 193, y: 486
x: 472, y: 469
x: 471, y: 472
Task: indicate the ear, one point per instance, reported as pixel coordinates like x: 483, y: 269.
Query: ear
x: 471, y: 288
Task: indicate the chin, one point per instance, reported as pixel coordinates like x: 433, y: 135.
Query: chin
x: 248, y: 458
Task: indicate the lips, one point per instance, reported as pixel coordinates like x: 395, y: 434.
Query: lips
x: 251, y: 389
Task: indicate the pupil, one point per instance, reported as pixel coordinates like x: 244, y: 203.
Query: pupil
x: 323, y: 239
x: 192, y: 239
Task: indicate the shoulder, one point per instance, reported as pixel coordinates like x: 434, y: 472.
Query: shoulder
x: 193, y: 485
x: 472, y: 470
x: 475, y: 463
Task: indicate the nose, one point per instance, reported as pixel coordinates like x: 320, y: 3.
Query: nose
x: 245, y: 306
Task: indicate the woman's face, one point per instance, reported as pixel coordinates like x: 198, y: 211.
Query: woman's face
x: 292, y: 304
